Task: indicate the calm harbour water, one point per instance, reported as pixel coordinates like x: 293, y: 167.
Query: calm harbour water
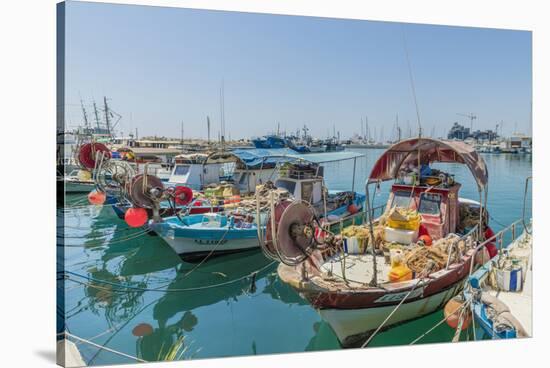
x: 121, y: 279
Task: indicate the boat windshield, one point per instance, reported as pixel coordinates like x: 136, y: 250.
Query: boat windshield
x: 430, y: 204
x: 181, y: 170
x: 402, y: 199
x: 288, y: 185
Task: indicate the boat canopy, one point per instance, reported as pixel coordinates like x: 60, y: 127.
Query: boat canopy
x: 265, y: 157
x: 430, y: 150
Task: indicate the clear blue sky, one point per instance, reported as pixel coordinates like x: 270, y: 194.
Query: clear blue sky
x: 160, y: 66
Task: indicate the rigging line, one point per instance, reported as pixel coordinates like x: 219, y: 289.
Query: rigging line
x: 411, y: 80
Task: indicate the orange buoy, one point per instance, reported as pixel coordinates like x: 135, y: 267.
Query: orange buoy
x: 143, y: 329
x: 426, y: 239
x: 452, y: 314
x: 136, y: 217
x: 96, y: 197
x: 352, y: 209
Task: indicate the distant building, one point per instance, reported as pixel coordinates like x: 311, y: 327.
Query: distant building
x: 458, y: 132
x: 462, y: 133
x: 485, y: 135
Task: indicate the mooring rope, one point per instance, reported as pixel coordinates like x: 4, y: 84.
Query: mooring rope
x: 108, y: 242
x: 104, y: 347
x: 422, y: 275
x: 129, y: 287
x: 460, y: 307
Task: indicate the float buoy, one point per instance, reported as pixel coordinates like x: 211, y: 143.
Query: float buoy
x: 452, y: 314
x: 352, y: 209
x: 136, y: 217
x: 426, y: 239
x: 143, y: 329
x: 96, y: 197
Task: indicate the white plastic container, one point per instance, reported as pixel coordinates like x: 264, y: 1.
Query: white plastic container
x: 400, y: 236
x: 351, y: 245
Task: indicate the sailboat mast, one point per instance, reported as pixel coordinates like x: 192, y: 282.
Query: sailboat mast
x: 86, y: 122
x: 181, y: 136
x: 208, y: 127
x: 96, y: 116
x: 107, y: 119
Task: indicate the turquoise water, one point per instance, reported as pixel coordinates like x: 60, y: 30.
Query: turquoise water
x: 120, y: 279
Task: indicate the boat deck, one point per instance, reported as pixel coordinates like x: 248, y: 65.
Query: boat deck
x: 358, y: 268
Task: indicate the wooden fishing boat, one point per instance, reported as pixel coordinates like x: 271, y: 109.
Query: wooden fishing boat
x: 356, y: 291
x: 195, y: 237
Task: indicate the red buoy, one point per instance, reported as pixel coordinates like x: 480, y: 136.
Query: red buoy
x: 96, y: 197
x: 136, y: 217
x: 452, y: 314
x: 426, y: 239
x: 352, y: 209
x: 143, y: 329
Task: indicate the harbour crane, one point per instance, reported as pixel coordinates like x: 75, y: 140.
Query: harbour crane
x: 470, y: 116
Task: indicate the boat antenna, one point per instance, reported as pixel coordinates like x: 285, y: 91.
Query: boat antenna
x: 412, y: 81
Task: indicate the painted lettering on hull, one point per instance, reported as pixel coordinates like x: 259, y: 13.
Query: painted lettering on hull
x: 397, y: 297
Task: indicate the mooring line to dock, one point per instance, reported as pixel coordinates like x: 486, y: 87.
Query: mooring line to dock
x: 135, y: 288
x: 104, y: 347
x: 104, y: 236
x: 106, y: 241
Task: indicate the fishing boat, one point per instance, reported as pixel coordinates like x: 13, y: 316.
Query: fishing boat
x: 387, y: 273
x: 215, y: 177
x: 195, y: 237
x: 78, y: 181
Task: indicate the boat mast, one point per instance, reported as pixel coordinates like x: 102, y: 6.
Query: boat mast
x: 86, y: 122
x: 182, y: 136
x: 208, y: 127
x: 107, y: 121
x: 96, y: 117
x: 222, y: 116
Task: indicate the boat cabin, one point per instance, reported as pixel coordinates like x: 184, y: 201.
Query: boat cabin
x: 432, y: 193
x: 438, y: 206
x: 194, y: 172
x: 303, y: 181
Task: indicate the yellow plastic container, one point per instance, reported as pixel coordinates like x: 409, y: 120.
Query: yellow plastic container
x: 399, y: 271
x: 411, y: 224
